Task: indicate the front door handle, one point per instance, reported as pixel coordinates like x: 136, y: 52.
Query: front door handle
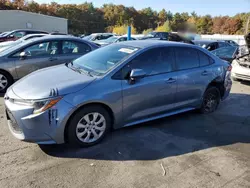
x: 204, y: 73
x: 170, y: 80
x: 52, y: 59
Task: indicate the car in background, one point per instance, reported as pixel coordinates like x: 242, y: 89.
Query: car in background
x: 26, y: 57
x: 211, y: 45
x: 113, y: 39
x: 241, y: 65
x: 4, y: 33
x: 119, y: 85
x: 98, y: 36
x: 228, y: 53
x: 8, y: 44
x: 168, y: 36
x: 231, y: 42
x: 16, y: 34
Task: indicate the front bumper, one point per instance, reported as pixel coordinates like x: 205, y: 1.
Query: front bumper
x: 44, y: 128
x: 241, y: 73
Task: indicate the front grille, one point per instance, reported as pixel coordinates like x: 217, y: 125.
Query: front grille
x: 12, y: 122
x: 242, y: 76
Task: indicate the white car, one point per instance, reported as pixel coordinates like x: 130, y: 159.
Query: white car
x: 241, y: 65
x: 241, y: 68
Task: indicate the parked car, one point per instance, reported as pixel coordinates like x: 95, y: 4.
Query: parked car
x: 113, y: 39
x: 166, y: 36
x: 241, y: 65
x: 8, y: 44
x: 228, y: 53
x: 98, y: 36
x: 210, y: 44
x: 26, y: 57
x: 4, y: 33
x: 119, y: 85
x: 231, y: 42
x: 17, y: 34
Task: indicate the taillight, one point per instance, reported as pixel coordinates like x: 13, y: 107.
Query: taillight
x: 229, y: 68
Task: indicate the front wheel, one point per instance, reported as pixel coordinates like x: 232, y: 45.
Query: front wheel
x: 89, y: 126
x: 211, y: 100
x: 5, y: 81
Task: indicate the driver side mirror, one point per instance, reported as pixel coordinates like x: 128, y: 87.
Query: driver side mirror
x: 136, y: 74
x: 23, y: 55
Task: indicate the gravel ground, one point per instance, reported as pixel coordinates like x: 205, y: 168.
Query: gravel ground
x: 186, y: 150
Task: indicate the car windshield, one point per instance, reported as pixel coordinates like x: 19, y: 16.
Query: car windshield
x: 11, y: 48
x: 226, y: 52
x: 100, y: 61
x: 111, y: 39
x: 202, y: 44
x: 4, y: 34
x: 151, y: 34
x: 89, y: 37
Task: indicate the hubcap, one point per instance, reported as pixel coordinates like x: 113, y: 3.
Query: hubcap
x: 210, y: 102
x: 91, y: 127
x: 3, y: 82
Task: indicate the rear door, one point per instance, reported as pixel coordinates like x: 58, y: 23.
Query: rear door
x: 71, y: 50
x: 193, y: 76
x: 39, y: 55
x: 154, y: 94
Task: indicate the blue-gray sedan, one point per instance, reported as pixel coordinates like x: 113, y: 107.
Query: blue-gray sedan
x: 115, y: 86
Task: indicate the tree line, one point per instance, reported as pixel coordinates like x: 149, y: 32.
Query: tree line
x: 85, y: 18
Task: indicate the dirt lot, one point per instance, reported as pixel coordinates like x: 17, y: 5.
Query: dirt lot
x: 187, y: 150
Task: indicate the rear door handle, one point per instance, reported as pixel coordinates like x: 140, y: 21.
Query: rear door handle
x: 52, y: 59
x: 204, y: 73
x: 170, y: 80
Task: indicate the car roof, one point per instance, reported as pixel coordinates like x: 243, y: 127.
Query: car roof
x: 152, y: 43
x: 204, y: 41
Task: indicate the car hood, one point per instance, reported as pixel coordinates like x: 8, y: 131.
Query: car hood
x: 50, y: 82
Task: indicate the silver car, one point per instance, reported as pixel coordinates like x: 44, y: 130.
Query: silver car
x: 28, y: 56
x: 119, y: 85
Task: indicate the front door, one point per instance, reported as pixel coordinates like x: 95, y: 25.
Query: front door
x: 37, y: 56
x: 154, y: 94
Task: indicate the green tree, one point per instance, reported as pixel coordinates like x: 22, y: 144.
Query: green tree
x: 204, y: 24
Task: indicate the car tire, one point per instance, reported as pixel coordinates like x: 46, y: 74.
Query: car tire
x: 210, y: 101
x: 5, y: 81
x: 86, y: 122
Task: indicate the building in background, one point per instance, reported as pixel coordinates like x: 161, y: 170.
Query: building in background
x: 16, y: 19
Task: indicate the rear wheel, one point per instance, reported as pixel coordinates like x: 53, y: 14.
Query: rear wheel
x: 89, y: 126
x: 211, y: 100
x: 235, y: 79
x: 5, y: 81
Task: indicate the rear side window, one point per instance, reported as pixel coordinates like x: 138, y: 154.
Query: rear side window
x: 73, y: 47
x: 186, y: 58
x: 204, y: 59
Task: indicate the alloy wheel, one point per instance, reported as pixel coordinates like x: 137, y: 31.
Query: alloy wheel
x: 91, y: 127
x: 210, y: 102
x: 3, y: 82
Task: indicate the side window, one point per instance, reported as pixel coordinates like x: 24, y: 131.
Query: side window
x: 73, y: 47
x: 40, y: 49
x: 204, y: 59
x: 154, y: 61
x: 212, y: 46
x: 157, y: 35
x: 122, y: 39
x: 186, y: 58
x: 18, y: 34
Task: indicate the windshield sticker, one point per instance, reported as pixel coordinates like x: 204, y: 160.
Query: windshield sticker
x: 127, y: 50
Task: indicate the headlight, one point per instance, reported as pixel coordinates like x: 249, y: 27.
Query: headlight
x: 235, y: 64
x: 39, y: 105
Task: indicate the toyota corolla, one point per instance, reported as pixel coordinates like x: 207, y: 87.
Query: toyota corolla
x: 115, y: 86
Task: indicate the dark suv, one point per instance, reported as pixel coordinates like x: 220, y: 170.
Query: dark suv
x: 16, y: 34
